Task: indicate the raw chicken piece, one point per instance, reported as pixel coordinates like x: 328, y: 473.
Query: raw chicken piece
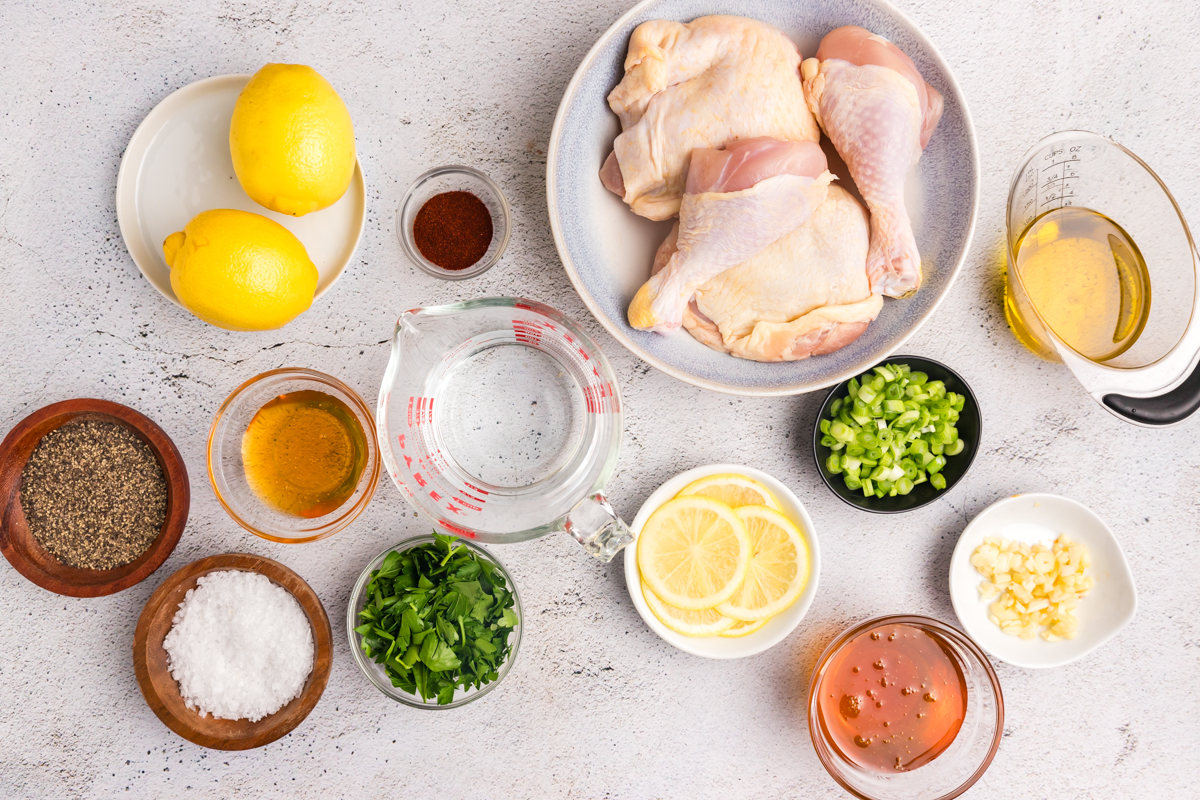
x: 879, y: 113
x: 806, y: 294
x: 741, y: 200
x: 699, y: 85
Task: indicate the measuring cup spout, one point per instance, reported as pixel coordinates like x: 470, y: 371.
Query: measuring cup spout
x: 597, y: 527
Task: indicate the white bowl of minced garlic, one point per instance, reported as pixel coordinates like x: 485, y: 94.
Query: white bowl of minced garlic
x: 1039, y: 580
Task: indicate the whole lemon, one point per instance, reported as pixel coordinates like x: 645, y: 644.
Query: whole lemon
x: 240, y: 271
x: 292, y: 140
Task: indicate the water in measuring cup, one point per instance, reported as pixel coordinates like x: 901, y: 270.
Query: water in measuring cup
x: 509, y: 415
x: 1087, y: 279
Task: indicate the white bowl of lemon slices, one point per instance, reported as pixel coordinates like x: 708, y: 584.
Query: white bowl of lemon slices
x: 725, y: 563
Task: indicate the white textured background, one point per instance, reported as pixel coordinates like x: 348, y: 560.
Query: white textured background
x: 596, y: 705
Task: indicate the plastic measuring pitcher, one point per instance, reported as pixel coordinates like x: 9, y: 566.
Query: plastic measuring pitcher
x: 500, y: 420
x: 1155, y: 382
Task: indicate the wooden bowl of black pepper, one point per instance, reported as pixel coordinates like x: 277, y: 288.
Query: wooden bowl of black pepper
x: 80, y: 510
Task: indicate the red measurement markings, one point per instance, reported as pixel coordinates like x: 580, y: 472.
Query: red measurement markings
x: 420, y: 411
x: 417, y: 477
x: 448, y: 525
x: 476, y: 488
x: 464, y: 504
x: 526, y: 332
x: 595, y: 395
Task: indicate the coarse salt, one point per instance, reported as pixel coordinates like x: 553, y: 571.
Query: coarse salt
x: 240, y: 646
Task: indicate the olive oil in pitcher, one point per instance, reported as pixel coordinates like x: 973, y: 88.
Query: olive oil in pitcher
x: 1086, y: 278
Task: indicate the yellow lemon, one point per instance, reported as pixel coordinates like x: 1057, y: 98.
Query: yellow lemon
x: 693, y: 553
x: 732, y: 490
x: 240, y: 271
x: 291, y: 140
x: 690, y: 623
x: 741, y: 629
x: 778, y: 569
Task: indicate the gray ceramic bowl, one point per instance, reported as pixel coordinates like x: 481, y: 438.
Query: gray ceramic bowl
x: 607, y: 249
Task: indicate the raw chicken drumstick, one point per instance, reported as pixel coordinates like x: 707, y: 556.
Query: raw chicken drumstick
x: 737, y: 202
x: 879, y: 113
x: 703, y: 84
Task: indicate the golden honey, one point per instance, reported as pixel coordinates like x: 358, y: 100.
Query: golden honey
x: 1087, y: 279
x: 303, y: 453
x: 892, y: 699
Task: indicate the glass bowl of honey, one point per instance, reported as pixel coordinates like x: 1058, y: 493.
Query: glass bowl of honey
x: 293, y: 456
x: 905, y: 708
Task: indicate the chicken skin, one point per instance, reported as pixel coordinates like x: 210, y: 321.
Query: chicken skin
x: 699, y: 85
x: 739, y: 200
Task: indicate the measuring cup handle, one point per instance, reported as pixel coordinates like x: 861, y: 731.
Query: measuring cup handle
x: 597, y: 527
x: 1166, y: 409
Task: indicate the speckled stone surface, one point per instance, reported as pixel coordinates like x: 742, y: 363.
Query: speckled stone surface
x: 596, y: 706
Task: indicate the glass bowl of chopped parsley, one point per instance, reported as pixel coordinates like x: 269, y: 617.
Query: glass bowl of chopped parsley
x: 434, y: 621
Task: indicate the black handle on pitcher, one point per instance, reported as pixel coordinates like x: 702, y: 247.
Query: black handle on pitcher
x: 1166, y: 409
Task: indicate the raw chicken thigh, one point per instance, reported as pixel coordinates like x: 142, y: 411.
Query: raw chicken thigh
x: 699, y: 85
x: 879, y: 113
x: 738, y: 201
x: 806, y: 294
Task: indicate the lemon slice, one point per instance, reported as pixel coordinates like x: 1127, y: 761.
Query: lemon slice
x: 708, y: 622
x: 778, y: 567
x: 740, y: 628
x: 693, y: 552
x: 732, y: 490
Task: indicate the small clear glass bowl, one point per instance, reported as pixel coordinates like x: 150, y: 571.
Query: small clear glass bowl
x: 228, y: 475
x: 963, y: 762
x: 375, y: 672
x: 454, y: 179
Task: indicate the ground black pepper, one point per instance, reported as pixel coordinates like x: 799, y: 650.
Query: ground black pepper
x: 93, y: 495
x: 453, y: 230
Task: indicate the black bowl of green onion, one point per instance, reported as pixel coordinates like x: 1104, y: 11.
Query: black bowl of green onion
x: 897, y: 437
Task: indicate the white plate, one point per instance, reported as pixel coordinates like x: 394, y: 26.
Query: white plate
x: 178, y: 164
x: 1034, y: 518
x: 765, y: 637
x: 607, y: 250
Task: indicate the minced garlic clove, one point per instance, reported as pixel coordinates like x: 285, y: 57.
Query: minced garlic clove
x: 1033, y: 586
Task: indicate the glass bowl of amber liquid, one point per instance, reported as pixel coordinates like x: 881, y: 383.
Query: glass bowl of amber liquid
x: 292, y: 455
x: 905, y: 708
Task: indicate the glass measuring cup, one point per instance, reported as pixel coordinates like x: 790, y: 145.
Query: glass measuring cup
x: 500, y: 420
x: 1155, y: 382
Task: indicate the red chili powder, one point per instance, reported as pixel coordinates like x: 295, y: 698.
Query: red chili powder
x: 453, y: 230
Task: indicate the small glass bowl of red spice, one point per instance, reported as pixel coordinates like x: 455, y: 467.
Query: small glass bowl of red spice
x: 454, y: 223
x: 905, y: 707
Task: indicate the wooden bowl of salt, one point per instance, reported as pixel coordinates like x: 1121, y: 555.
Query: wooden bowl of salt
x: 150, y: 661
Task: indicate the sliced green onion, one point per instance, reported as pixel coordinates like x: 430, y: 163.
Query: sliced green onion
x: 894, y: 430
